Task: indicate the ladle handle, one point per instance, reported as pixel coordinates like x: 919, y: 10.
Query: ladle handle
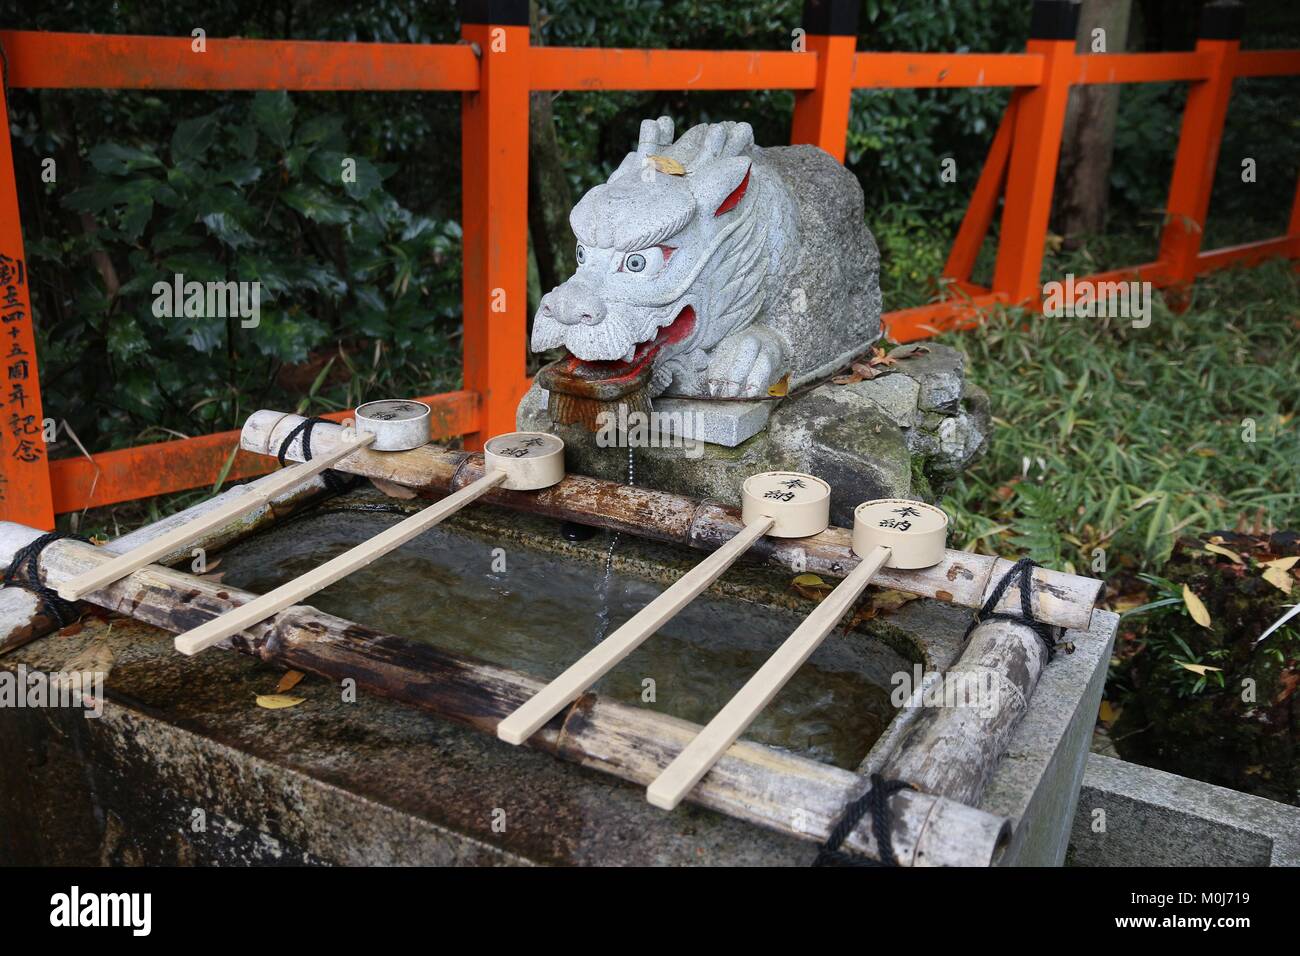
x: 668, y: 789
x: 147, y: 553
x: 290, y: 593
x: 592, y: 666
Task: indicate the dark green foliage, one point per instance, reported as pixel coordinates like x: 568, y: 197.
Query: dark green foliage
x: 250, y: 192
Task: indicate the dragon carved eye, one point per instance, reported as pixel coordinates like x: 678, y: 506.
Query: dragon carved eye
x: 645, y: 261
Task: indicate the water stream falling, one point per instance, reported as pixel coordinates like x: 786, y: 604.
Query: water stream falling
x: 602, y: 588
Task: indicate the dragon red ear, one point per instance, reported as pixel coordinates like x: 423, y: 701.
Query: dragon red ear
x: 737, y: 194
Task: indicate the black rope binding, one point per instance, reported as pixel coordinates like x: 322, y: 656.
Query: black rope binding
x: 24, y: 572
x: 335, y: 481
x: 875, y: 801
x: 1022, y: 569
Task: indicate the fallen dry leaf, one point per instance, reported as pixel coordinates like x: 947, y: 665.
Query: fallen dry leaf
x: 1197, y: 668
x: 1195, y: 607
x: 1288, y: 680
x: 289, y: 681
x: 95, y: 659
x: 1286, y: 564
x: 1218, y: 549
x: 781, y: 388
x: 1108, y: 713
x: 912, y: 352
x: 811, y: 586
x: 666, y: 164
x: 278, y: 701
x: 1279, y: 578
x: 393, y: 489
x: 878, y: 357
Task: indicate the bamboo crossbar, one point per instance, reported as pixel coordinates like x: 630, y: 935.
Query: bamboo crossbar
x: 962, y: 578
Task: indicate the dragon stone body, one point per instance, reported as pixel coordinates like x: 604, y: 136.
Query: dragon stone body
x: 724, y: 265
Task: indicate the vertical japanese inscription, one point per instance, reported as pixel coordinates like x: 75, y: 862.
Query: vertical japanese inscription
x: 25, y: 494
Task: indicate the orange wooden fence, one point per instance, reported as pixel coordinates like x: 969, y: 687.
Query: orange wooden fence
x: 494, y: 69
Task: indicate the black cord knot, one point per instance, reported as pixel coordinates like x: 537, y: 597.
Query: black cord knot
x: 876, y: 802
x: 335, y: 481
x: 24, y: 572
x: 1022, y: 572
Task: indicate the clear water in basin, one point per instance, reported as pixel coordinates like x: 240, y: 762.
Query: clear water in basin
x: 541, y: 613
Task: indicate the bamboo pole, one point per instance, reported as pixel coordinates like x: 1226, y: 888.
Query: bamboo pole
x: 952, y: 748
x: 305, y: 585
x: 776, y: 790
x: 602, y: 658
x: 668, y: 789
x: 254, y: 496
x: 21, y: 618
x: 961, y: 578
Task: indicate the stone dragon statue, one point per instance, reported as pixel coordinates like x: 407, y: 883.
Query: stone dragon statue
x: 719, y: 266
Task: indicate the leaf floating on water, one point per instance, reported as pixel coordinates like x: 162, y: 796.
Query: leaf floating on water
x: 811, y: 586
x: 781, y: 388
x: 1198, y: 669
x: 1195, y: 607
x: 278, y: 701
x: 1218, y: 549
x: 666, y: 164
x: 887, y: 600
x: 1279, y: 578
x: 393, y: 489
x: 289, y: 681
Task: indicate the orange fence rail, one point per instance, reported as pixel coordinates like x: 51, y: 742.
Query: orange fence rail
x: 495, y: 68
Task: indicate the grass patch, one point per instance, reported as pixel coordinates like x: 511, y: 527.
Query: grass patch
x: 1110, y: 437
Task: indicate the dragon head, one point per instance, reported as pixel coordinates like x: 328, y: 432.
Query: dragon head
x: 671, y: 253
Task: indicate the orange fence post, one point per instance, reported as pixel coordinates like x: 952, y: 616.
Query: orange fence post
x: 984, y: 200
x: 1035, y: 147
x: 494, y: 176
x: 1198, y: 147
x: 24, y: 468
x: 821, y: 115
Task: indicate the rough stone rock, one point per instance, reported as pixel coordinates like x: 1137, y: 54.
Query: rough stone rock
x: 894, y: 395
x: 868, y: 439
x: 939, y: 370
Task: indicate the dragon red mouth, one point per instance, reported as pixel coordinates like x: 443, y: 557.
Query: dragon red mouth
x: 616, y: 372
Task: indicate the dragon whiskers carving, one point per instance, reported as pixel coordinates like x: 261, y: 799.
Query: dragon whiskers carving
x: 716, y: 266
